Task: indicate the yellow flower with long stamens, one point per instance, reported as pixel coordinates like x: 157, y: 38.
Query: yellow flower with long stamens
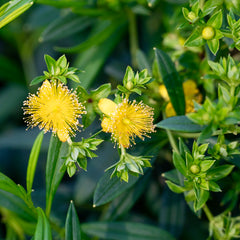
x: 126, y: 120
x: 54, y: 108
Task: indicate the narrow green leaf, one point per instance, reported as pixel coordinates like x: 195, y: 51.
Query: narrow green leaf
x: 55, y: 160
x: 13, y: 10
x: 102, y: 92
x: 37, y: 80
x: 43, y: 229
x: 72, y: 225
x: 17, y: 205
x: 63, y: 3
x: 125, y: 230
x: 203, y: 197
x: 50, y: 62
x: 69, y: 24
x: 175, y: 188
x: 32, y: 162
x: 108, y: 28
x: 215, y: 20
x: 92, y: 60
x: 180, y: 124
x: 213, y: 45
x: 109, y: 188
x: 171, y: 80
x: 8, y: 185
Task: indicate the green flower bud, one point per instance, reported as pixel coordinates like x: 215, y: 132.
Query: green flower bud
x: 208, y: 33
x: 191, y: 15
x: 195, y: 169
x: 129, y: 85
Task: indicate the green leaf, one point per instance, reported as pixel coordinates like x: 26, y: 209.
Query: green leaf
x: 195, y: 39
x: 102, y: 92
x: 213, y: 45
x: 32, y: 162
x: 171, y: 80
x: 69, y: 24
x: 203, y: 197
x: 107, y: 28
x: 175, y: 188
x: 219, y: 172
x: 180, y: 124
x: 174, y: 176
x: 125, y: 230
x: 215, y: 20
x: 206, y: 164
x: 109, y: 188
x: 72, y: 225
x: 8, y: 185
x: 43, y: 229
x: 55, y: 160
x: 180, y: 164
x: 17, y: 205
x: 50, y: 62
x: 12, y: 10
x: 92, y: 60
x: 129, y: 75
x: 37, y: 80
x: 63, y: 3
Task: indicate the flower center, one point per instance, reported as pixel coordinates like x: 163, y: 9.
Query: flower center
x: 126, y: 121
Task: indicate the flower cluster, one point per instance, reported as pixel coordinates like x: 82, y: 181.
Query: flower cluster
x: 191, y: 93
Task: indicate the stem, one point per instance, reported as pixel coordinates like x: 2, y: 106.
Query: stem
x: 227, y: 33
x: 211, y: 219
x: 95, y: 134
x: 208, y: 213
x: 133, y: 36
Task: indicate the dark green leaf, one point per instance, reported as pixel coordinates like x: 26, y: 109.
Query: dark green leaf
x: 63, y: 3
x: 43, y: 229
x: 213, y: 45
x: 17, y: 205
x: 37, y: 80
x: 180, y: 164
x: 203, y: 197
x: 32, y: 162
x: 102, y: 92
x: 125, y: 230
x: 109, y: 188
x: 171, y: 80
x: 219, y: 172
x: 143, y: 61
x: 72, y: 225
x: 175, y: 188
x: 180, y: 124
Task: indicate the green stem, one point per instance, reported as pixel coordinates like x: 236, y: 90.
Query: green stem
x: 227, y: 33
x: 208, y: 213
x: 95, y: 134
x: 133, y: 36
x: 211, y: 219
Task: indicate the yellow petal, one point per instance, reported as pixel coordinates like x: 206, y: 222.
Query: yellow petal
x: 107, y: 106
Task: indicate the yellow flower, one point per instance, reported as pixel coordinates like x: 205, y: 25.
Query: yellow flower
x: 191, y: 92
x: 126, y: 120
x: 54, y: 108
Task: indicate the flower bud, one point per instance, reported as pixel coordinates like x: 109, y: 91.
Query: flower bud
x: 107, y: 106
x: 195, y: 169
x: 191, y: 15
x: 129, y: 85
x: 208, y: 33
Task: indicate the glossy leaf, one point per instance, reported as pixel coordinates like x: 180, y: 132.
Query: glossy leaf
x: 17, y: 205
x: 56, y: 151
x: 171, y: 80
x: 175, y: 188
x: 179, y: 163
x: 219, y: 172
x: 180, y: 124
x: 32, y: 162
x: 125, y: 230
x: 13, y: 9
x: 72, y: 225
x: 43, y: 229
